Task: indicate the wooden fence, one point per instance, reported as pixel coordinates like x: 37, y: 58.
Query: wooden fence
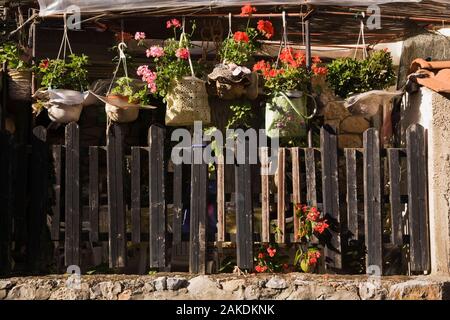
x: 373, y: 195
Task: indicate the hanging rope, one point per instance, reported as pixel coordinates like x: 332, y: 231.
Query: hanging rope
x: 65, y: 44
x: 284, y: 39
x: 361, y: 38
x: 230, y: 33
x: 183, y: 37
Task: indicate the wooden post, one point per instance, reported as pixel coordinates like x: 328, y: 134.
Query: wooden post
x: 417, y: 198
x: 352, y: 193
x: 244, y: 212
x: 198, y: 212
x: 157, y: 210
x: 281, y: 206
x: 56, y: 208
x: 310, y: 168
x: 116, y: 202
x: 136, y: 195
x: 221, y: 198
x: 330, y: 195
x: 373, y: 200
x: 296, y: 187
x: 72, y: 196
x: 394, y: 196
x: 265, y: 201
x: 94, y: 196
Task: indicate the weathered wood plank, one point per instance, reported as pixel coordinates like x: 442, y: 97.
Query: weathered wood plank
x: 93, y: 193
x: 310, y: 170
x: 265, y: 198
x: 330, y: 196
x: 157, y: 202
x: 244, y: 212
x: 373, y: 200
x: 56, y: 208
x: 136, y: 195
x: 72, y: 196
x: 352, y: 193
x: 281, y: 207
x: 116, y: 201
x: 198, y: 210
x: 296, y: 187
x: 417, y: 198
x: 221, y: 198
x: 177, y: 203
x: 394, y: 197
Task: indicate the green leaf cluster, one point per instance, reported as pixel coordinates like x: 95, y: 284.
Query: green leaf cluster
x: 68, y: 74
x: 127, y: 87
x: 13, y: 55
x: 349, y: 76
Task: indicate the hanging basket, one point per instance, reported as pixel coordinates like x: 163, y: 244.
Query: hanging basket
x: 286, y: 115
x: 64, y: 106
x: 119, y: 110
x: 234, y: 82
x: 19, y: 85
x: 187, y: 101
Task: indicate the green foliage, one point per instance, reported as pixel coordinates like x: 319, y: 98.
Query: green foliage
x: 137, y: 94
x: 13, y: 55
x: 61, y: 74
x: 349, y: 76
x: 289, y: 79
x: 242, y: 115
x: 239, y: 52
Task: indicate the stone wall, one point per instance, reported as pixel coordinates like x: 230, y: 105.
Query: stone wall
x: 350, y: 128
x: 293, y: 286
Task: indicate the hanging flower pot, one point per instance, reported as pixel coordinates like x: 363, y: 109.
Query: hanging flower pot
x: 65, y: 80
x: 119, y: 109
x: 65, y: 106
x: 19, y: 74
x: 174, y: 80
x: 187, y: 102
x: 19, y: 85
x: 234, y: 82
x: 286, y: 115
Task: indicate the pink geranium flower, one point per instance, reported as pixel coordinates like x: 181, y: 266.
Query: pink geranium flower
x: 182, y: 53
x: 139, y: 36
x: 155, y: 52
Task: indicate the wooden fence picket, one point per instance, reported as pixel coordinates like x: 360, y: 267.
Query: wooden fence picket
x: 417, y: 198
x: 330, y: 195
x: 157, y: 209
x: 116, y: 200
x: 72, y: 196
x: 373, y: 200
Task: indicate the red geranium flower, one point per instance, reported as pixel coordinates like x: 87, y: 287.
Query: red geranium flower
x: 44, y: 64
x: 261, y: 256
x: 271, y: 252
x: 247, y: 10
x: 319, y: 70
x: 320, y: 227
x: 266, y: 28
x: 241, y: 36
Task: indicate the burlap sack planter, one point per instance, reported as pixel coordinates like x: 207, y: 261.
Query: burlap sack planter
x: 65, y: 106
x: 187, y: 101
x: 119, y: 110
x: 19, y: 85
x: 286, y: 115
